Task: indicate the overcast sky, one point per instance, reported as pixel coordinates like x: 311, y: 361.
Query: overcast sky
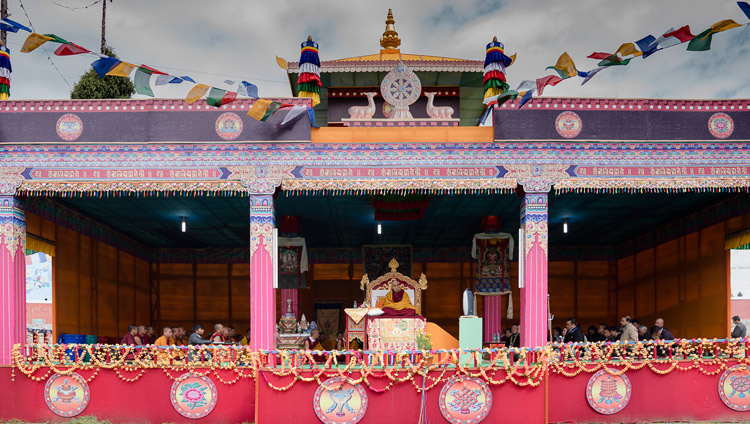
x: 238, y: 39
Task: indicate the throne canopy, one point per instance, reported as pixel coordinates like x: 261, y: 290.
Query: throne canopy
x: 378, y: 288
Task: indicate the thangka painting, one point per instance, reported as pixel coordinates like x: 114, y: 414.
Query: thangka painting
x: 38, y: 278
x: 327, y: 316
x: 493, y: 266
x: 376, y: 257
x: 292, y: 263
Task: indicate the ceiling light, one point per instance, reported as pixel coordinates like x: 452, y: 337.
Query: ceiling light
x: 380, y: 228
x: 184, y: 227
x: 565, y: 225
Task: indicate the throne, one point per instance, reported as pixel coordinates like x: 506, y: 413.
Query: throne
x: 393, y: 333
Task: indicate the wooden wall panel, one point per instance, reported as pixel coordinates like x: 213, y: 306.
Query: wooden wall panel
x: 241, y: 296
x: 142, y: 307
x: 645, y: 283
x: 625, y: 286
x: 668, y: 284
x: 593, y: 293
x: 561, y: 291
x: 176, y: 295
x: 443, y: 295
x: 713, y: 284
x: 66, y: 283
x: 126, y: 290
x: 108, y: 305
x: 85, y: 280
x: 213, y: 294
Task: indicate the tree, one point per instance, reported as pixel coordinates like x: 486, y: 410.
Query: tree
x: 90, y: 86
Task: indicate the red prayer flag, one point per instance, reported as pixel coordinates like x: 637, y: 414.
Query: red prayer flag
x: 70, y: 49
x: 548, y: 80
x: 683, y: 34
x: 599, y: 55
x: 153, y: 71
x: 494, y: 75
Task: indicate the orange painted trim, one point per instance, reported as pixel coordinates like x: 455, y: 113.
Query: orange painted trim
x: 334, y: 135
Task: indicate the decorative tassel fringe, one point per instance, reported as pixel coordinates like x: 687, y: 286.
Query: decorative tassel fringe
x: 494, y: 76
x: 308, y: 82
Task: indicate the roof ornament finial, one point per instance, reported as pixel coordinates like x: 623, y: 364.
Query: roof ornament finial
x: 494, y: 38
x: 390, y: 40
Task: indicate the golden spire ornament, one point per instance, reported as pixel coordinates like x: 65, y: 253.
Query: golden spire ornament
x: 390, y: 40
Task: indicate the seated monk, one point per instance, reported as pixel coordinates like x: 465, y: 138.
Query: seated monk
x: 397, y: 302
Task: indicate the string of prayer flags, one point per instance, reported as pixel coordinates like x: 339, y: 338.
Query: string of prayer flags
x: 613, y: 60
x: 142, y: 81
x: 495, y: 62
x: 262, y: 109
x: 5, y: 70
x: 105, y: 64
x: 218, y: 97
x: 33, y: 41
x: 247, y: 89
x: 122, y: 69
x: 70, y: 49
x: 702, y: 41
x: 683, y: 35
x: 9, y: 25
x: 591, y: 74
x: 545, y: 81
x: 196, y: 93
x: 565, y: 66
x: 308, y: 82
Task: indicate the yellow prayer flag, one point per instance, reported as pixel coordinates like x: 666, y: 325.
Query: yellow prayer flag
x: 281, y: 62
x: 196, y: 93
x: 565, y: 64
x: 628, y: 49
x: 724, y: 25
x: 258, y: 111
x: 123, y: 69
x: 33, y: 41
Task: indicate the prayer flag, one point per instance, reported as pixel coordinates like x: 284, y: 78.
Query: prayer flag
x: 599, y: 55
x: 647, y: 45
x: 683, y: 34
x: 311, y: 117
x: 614, y: 60
x: 70, y: 49
x: 590, y: 75
x: 218, y: 97
x: 175, y: 80
x: 295, y: 112
x: 724, y: 25
x: 545, y: 81
x: 247, y: 89
x: 104, y: 65
x: 272, y: 108
x: 143, y: 81
x: 628, y: 49
x: 526, y: 85
x: 259, y: 109
x: 33, y: 41
x: 151, y: 70
x: 5, y: 70
x: 486, y: 114
x: 664, y: 42
x: 12, y: 26
x: 745, y: 8
x: 701, y: 42
x: 196, y: 93
x: 164, y: 79
x: 187, y: 78
x: 565, y: 66
x: 229, y: 82
x: 122, y: 69
x: 526, y: 98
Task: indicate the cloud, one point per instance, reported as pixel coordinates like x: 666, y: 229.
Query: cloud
x: 234, y: 39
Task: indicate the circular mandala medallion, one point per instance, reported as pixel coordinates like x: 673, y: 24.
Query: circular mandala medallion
x: 337, y: 401
x: 193, y: 395
x: 228, y: 126
x: 734, y: 388
x: 69, y: 127
x: 568, y: 124
x: 465, y: 400
x: 608, y: 394
x: 720, y: 125
x: 401, y: 86
x: 67, y: 395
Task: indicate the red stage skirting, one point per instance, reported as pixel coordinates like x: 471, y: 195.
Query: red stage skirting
x: 677, y: 396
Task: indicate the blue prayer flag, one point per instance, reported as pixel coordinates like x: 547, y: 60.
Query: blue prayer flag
x: 311, y: 117
x: 187, y: 78
x: 12, y: 26
x: 249, y: 90
x: 526, y: 98
x: 647, y: 45
x: 104, y: 65
x: 745, y: 8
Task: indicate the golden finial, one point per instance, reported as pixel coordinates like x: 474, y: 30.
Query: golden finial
x: 393, y: 265
x: 494, y: 38
x: 309, y: 38
x: 390, y: 40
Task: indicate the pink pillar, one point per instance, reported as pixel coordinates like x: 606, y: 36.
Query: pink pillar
x: 262, y: 293
x: 12, y: 276
x: 492, y: 317
x: 534, y: 293
x: 292, y: 294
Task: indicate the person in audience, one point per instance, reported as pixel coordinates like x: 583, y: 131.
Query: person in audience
x: 150, y: 335
x: 739, y: 330
x: 140, y: 338
x: 515, y: 338
x: 629, y: 332
x: 614, y: 334
x: 557, y: 336
x: 197, y: 337
x: 246, y: 340
x: 312, y: 342
x: 129, y: 339
x: 218, y: 334
x: 165, y: 339
x: 574, y: 333
x: 506, y: 337
x: 665, y: 334
x: 592, y: 334
x: 643, y: 333
x: 341, y: 343
x: 600, y: 332
x: 183, y: 336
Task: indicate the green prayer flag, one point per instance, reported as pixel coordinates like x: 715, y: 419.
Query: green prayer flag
x: 215, y: 97
x: 562, y: 73
x: 56, y: 39
x: 614, y: 60
x: 142, y: 82
x: 272, y: 108
x: 701, y: 42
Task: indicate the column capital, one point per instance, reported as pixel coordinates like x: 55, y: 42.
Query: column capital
x: 10, y: 180
x: 261, y: 178
x: 537, y: 178
x: 262, y: 222
x: 12, y: 224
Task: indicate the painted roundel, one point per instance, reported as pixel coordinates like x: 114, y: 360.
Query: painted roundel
x: 401, y: 86
x: 337, y: 402
x: 228, y: 126
x: 67, y: 395
x: 734, y: 388
x: 608, y: 394
x: 465, y: 400
x: 69, y: 127
x: 720, y: 125
x: 568, y: 124
x: 193, y: 395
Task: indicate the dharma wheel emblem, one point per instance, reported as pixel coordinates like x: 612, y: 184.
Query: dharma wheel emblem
x: 734, y: 388
x: 401, y: 87
x: 608, y: 394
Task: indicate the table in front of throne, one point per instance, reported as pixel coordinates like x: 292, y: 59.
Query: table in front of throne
x: 394, y: 333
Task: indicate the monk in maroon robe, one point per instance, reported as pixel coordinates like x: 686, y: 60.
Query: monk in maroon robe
x: 397, y: 302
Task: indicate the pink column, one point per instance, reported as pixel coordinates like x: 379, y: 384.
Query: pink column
x: 12, y: 276
x: 534, y: 293
x: 492, y: 317
x: 292, y: 294
x: 262, y: 293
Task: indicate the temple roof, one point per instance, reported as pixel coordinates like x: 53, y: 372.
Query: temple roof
x: 387, y: 59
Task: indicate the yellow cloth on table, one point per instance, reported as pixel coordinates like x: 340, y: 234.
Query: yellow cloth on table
x: 404, y: 303
x: 356, y: 314
x: 245, y: 341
